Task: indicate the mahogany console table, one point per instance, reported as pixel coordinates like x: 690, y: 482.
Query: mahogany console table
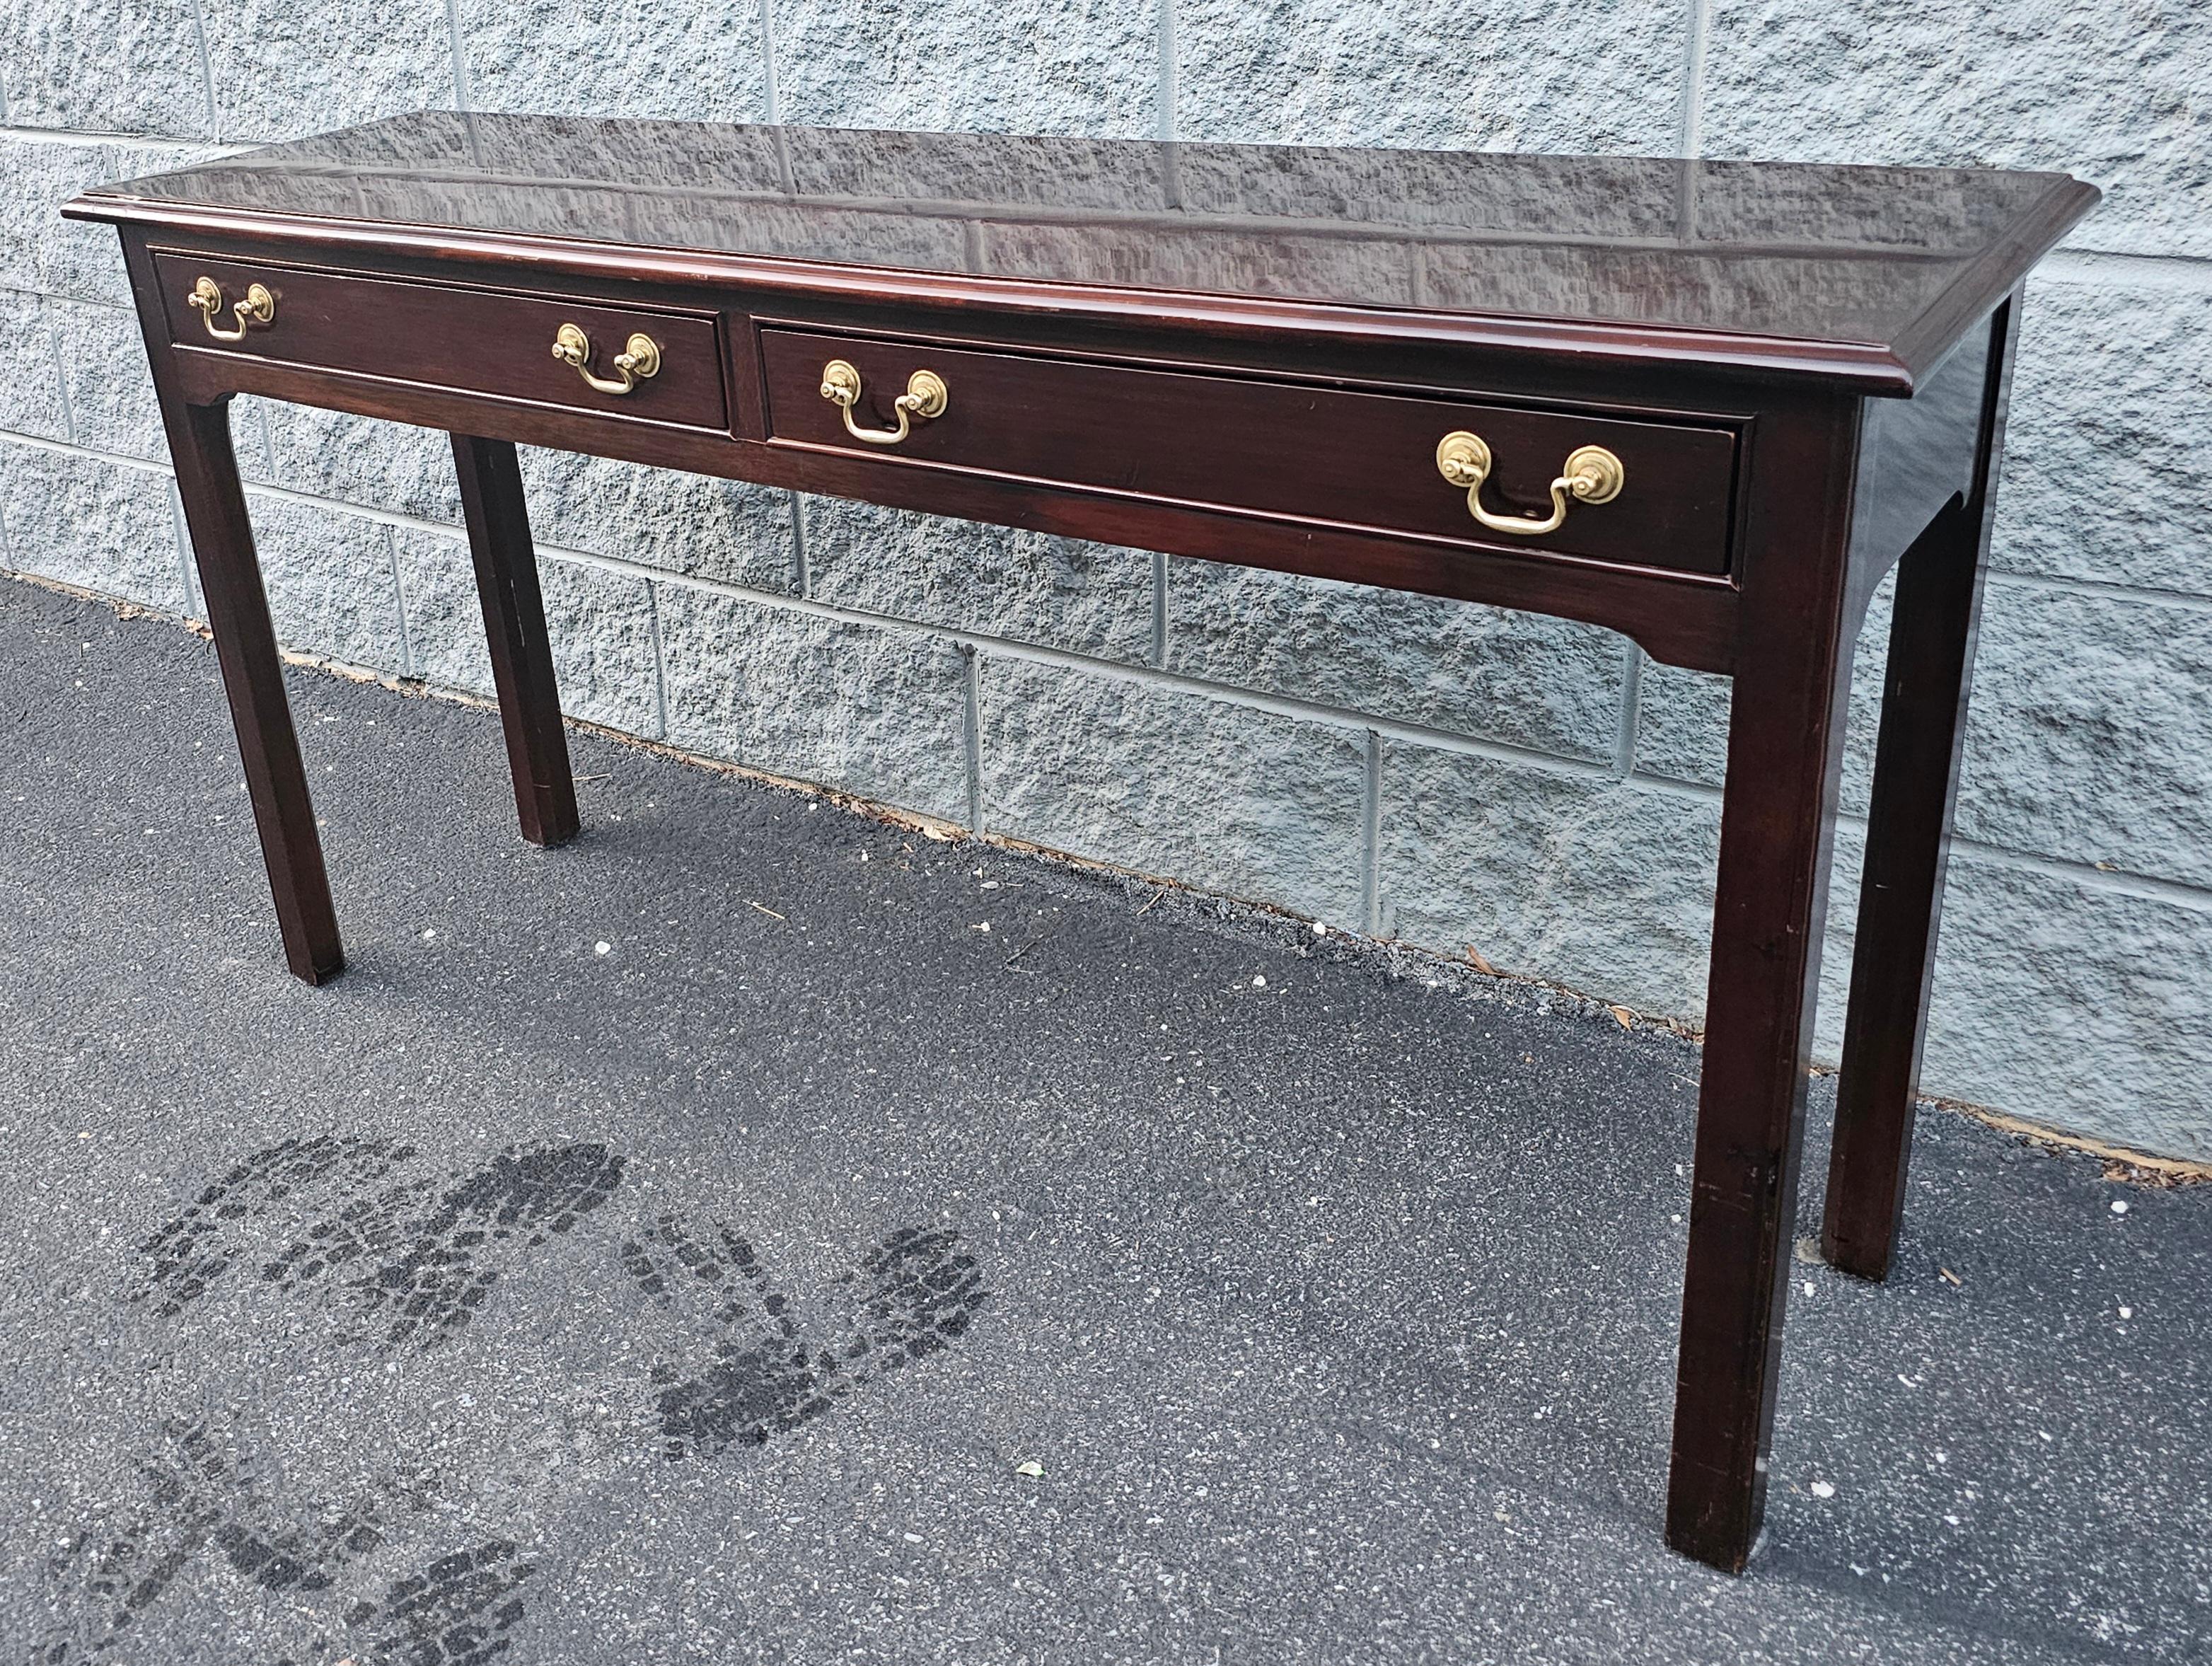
x: 1707, y: 404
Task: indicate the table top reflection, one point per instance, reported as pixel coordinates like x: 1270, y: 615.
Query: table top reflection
x: 1806, y: 253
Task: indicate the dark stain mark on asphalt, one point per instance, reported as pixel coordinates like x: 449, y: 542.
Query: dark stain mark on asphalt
x: 431, y: 1256
x: 197, y: 1502
x: 919, y: 1292
x: 369, y: 1227
x: 119, y: 1571
x: 753, y: 1371
x: 437, y: 1282
x: 359, y: 1221
x: 192, y: 1250
x: 457, y: 1612
x: 755, y: 1378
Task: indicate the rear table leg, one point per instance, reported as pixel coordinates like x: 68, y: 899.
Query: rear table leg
x: 1901, y: 892
x: 514, y: 625
x: 1916, y: 777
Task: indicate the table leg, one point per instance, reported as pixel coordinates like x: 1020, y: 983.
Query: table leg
x: 1785, y: 740
x: 514, y: 624
x: 254, y: 678
x: 1924, y: 719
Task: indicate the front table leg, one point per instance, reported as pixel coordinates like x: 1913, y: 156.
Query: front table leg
x: 1785, y: 737
x: 514, y: 626
x: 254, y: 678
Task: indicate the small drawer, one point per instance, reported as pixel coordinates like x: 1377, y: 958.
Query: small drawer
x: 475, y: 341
x: 1306, y: 454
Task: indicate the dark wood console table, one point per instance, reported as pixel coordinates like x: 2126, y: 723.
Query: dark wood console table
x: 1707, y: 404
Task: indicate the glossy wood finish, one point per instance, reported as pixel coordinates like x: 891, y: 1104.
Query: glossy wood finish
x: 457, y: 336
x: 1786, y: 743
x: 515, y: 628
x: 1294, y: 452
x: 1933, y: 625
x: 1858, y: 274
x: 1681, y: 619
x: 245, y: 647
x: 1239, y: 354
x: 254, y: 678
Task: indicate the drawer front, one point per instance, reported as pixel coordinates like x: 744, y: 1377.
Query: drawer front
x: 1304, y: 454
x: 476, y: 340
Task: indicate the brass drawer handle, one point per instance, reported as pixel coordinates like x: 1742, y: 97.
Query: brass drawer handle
x: 639, y: 360
x: 925, y: 397
x: 260, y: 307
x: 1592, y: 474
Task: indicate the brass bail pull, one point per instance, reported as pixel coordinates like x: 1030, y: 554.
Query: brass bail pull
x: 260, y: 307
x: 639, y: 360
x: 1591, y: 474
x: 925, y: 397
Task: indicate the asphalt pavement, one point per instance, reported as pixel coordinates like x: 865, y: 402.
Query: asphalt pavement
x: 761, y: 1233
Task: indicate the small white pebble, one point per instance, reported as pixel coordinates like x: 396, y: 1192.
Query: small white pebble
x: 1822, y: 1489
x: 603, y: 948
x: 2119, y: 1207
x: 428, y: 933
x: 1259, y: 983
x: 1320, y: 930
x: 1808, y: 1290
x: 2127, y: 1313
x: 1954, y: 1520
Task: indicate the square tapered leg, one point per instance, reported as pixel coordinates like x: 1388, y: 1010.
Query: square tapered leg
x: 1923, y: 721
x: 254, y: 680
x: 514, y: 626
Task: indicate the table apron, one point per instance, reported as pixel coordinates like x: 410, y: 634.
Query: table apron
x: 1684, y: 619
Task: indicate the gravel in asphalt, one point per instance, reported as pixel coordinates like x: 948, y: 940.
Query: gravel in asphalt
x: 709, y: 1242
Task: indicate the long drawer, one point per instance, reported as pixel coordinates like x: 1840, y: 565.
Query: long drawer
x: 474, y: 340
x: 1375, y: 461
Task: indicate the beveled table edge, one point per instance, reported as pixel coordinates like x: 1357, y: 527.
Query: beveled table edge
x: 1866, y: 367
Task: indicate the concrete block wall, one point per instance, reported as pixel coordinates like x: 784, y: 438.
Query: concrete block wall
x: 1451, y: 775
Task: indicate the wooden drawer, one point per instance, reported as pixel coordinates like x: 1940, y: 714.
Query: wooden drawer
x: 1296, y: 453
x: 476, y: 340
